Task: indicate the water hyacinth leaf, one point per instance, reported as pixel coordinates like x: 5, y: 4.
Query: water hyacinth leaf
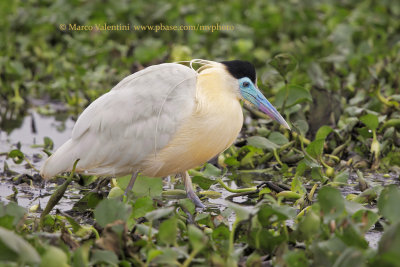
x: 270, y: 214
x: 278, y: 138
x: 15, y: 248
x: 203, y: 182
x: 110, y: 210
x: 296, y: 258
x: 159, y: 213
x: 327, y: 252
x: 167, y: 231
x: 331, y: 202
x: 261, y: 142
x: 371, y: 121
x: 389, y: 247
x: 283, y: 63
x: 144, y: 186
x: 366, y: 218
x: 242, y: 213
x: 211, y: 171
x: 197, y: 238
x: 141, y: 206
x: 16, y: 155
x: 153, y: 253
x: 297, y: 186
x: 11, y: 214
x: 309, y: 225
x: 351, y: 257
x: 294, y: 94
x: 48, y: 143
x: 352, y: 236
x: 323, y: 132
x: 315, y: 148
x: 54, y: 257
x: 104, y: 257
x: 388, y: 203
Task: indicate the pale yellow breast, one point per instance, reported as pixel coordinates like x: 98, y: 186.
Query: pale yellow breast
x: 212, y: 128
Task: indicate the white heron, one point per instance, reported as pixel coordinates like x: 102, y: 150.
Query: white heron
x: 162, y: 120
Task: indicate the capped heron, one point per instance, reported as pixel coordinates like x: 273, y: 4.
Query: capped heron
x: 162, y: 120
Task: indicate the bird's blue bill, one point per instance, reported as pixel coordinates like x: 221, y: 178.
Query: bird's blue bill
x: 265, y: 106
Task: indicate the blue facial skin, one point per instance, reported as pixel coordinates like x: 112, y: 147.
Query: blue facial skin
x: 252, y: 94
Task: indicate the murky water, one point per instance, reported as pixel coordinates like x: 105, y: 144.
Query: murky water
x: 32, y: 131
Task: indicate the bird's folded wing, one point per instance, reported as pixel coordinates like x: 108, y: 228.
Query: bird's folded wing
x: 139, y: 116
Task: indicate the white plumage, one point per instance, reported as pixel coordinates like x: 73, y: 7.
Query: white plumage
x: 137, y: 117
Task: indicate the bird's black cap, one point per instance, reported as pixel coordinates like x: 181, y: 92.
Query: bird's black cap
x: 240, y: 69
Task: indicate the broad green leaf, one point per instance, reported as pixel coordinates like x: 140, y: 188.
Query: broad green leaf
x: 167, y: 231
x: 323, y: 132
x: 389, y: 247
x: 159, y: 213
x: 278, y: 138
x: 54, y: 257
x: 203, y: 182
x: 315, y: 148
x: 283, y: 63
x: 388, y: 203
x: 331, y: 202
x: 16, y: 155
x: 11, y: 214
x: 196, y: 237
x: 110, y: 210
x: 99, y: 257
x: 141, y: 206
x: 242, y: 213
x: 144, y: 186
x: 296, y: 258
x: 294, y: 94
x: 261, y: 142
x: 351, y: 257
x: 370, y: 120
x: 211, y: 171
x: 15, y: 248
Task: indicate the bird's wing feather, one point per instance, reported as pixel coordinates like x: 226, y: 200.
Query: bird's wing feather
x: 139, y: 116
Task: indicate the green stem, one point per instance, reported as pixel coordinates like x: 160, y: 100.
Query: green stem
x: 241, y: 190
x: 190, y: 258
x: 232, y: 236
x: 276, y: 154
x: 58, y: 194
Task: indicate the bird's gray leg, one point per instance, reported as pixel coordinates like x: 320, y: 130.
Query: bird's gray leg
x: 189, y: 190
x: 131, y: 182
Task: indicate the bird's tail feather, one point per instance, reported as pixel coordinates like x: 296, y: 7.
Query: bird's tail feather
x: 60, y: 161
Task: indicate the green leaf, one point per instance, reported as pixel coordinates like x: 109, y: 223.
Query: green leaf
x: 351, y: 257
x: 15, y: 248
x: 242, y: 213
x: 110, y: 210
x: 196, y: 237
x: 388, y: 203
x: 167, y: 231
x: 203, y: 182
x: 54, y: 257
x: 331, y: 202
x: 316, y: 148
x: 294, y: 94
x: 103, y: 256
x: 323, y: 132
x: 16, y: 155
x: 389, y: 247
x: 11, y: 214
x: 296, y: 258
x: 283, y: 63
x: 211, y: 171
x: 159, y: 213
x: 370, y: 120
x: 262, y: 142
x: 278, y: 138
x: 141, y: 206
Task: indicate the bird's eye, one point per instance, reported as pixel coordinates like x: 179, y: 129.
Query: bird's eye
x: 246, y: 84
